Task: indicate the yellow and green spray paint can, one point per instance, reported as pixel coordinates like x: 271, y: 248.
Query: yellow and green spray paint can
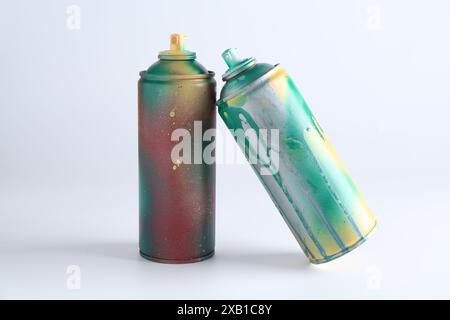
x: 293, y: 158
x: 177, y: 189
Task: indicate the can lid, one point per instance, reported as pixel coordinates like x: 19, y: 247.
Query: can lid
x: 177, y: 51
x: 176, y: 64
x: 241, y: 73
x: 236, y: 64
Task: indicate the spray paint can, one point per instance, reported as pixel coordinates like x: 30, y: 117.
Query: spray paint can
x: 177, y: 190
x: 293, y: 158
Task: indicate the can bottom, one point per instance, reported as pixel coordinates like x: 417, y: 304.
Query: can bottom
x: 175, y: 261
x: 347, y: 250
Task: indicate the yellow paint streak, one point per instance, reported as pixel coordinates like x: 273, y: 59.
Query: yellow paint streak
x: 237, y: 101
x: 279, y: 83
x: 365, y: 219
x: 333, y: 166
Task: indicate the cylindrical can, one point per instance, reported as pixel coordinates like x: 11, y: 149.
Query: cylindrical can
x: 293, y: 158
x: 177, y: 187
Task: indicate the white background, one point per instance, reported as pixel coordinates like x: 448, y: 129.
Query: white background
x: 375, y: 73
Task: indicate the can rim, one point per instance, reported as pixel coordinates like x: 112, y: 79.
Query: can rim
x: 146, y: 76
x: 187, y: 55
x: 249, y: 86
x: 234, y: 71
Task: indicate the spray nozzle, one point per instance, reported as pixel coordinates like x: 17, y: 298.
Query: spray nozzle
x: 177, y: 51
x: 232, y: 57
x: 177, y: 42
x: 236, y: 64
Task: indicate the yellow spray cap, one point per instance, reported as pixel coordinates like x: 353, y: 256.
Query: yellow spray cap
x: 177, y: 51
x: 177, y: 42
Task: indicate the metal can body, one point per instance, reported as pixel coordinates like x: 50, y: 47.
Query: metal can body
x: 310, y: 185
x: 177, y: 198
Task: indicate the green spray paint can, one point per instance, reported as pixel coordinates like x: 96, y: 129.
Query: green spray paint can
x: 293, y: 158
x: 176, y: 183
